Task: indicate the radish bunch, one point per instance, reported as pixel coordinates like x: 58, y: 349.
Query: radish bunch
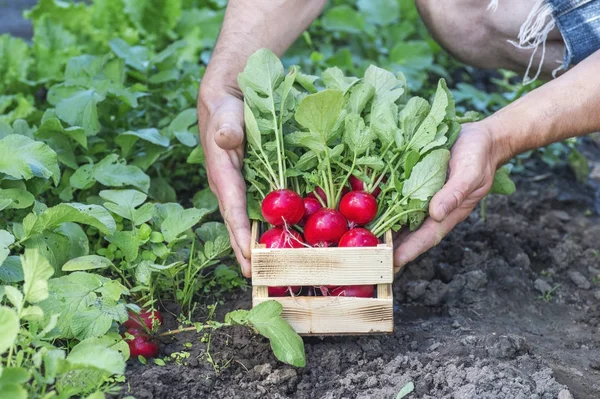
x: 310, y: 138
x: 287, y: 211
x: 141, y: 327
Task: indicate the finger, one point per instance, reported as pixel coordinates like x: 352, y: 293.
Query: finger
x: 229, y: 124
x: 463, y: 180
x: 244, y: 263
x: 427, y: 236
x: 232, y: 201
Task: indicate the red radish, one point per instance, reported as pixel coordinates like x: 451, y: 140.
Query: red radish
x: 280, y: 238
x: 325, y: 227
x: 311, y: 205
x: 358, y: 207
x: 359, y: 185
x: 141, y: 344
x: 358, y: 237
x: 284, y: 291
x: 359, y: 291
x: 145, y: 318
x: 282, y: 206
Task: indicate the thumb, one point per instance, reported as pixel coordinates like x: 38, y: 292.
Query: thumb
x: 229, y: 129
x: 460, y: 185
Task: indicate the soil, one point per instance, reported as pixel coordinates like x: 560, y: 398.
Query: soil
x: 506, y: 307
x: 473, y: 317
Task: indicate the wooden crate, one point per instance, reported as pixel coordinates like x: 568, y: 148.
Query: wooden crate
x: 327, y: 266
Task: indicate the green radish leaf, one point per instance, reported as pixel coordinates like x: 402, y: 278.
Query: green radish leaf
x: 263, y: 73
x: 384, y: 122
x: 412, y: 157
x: 388, y: 88
x: 33, y: 159
x: 98, y: 353
x: 360, y: 95
x: 357, y: 137
x: 6, y: 240
x: 319, y: 112
x: 252, y: 132
x: 10, y: 328
x: 51, y: 218
x: 502, y: 183
x: 11, y: 270
x: 426, y: 132
x: 334, y: 79
x: 175, y: 220
x: 113, y: 172
x: 412, y: 115
x: 88, y: 262
x: 36, y: 272
x: 428, y: 176
x: 287, y: 345
x: 343, y: 18
x: 307, y: 81
x: 18, y: 198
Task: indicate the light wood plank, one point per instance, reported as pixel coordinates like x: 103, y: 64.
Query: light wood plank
x: 384, y: 291
x: 322, y: 266
x: 336, y: 315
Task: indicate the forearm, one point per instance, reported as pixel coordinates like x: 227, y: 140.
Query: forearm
x: 253, y: 24
x: 565, y: 107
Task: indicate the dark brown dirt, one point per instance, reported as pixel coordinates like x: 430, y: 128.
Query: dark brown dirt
x: 470, y: 322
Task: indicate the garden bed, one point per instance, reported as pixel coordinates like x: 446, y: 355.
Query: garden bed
x: 470, y: 317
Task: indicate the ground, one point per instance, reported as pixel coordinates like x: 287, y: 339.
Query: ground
x: 506, y: 307
x: 474, y: 317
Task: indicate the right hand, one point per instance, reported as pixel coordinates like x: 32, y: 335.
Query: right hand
x: 221, y: 123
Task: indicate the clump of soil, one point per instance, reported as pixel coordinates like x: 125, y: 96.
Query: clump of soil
x: 505, y: 307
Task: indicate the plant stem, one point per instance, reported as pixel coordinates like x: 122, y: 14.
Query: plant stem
x: 339, y: 192
x: 393, y: 220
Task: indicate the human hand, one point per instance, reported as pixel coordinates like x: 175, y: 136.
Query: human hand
x: 473, y: 163
x: 221, y: 122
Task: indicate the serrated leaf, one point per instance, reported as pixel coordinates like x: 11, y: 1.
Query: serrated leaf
x: 357, y: 137
x: 33, y: 159
x: 428, y: 176
x: 428, y: 129
x: 360, y: 95
x: 287, y: 345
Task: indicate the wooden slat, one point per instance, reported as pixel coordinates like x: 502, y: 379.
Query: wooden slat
x: 259, y: 292
x: 384, y: 291
x: 322, y: 266
x: 336, y: 315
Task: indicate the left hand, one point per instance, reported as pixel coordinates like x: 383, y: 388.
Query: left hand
x: 473, y: 163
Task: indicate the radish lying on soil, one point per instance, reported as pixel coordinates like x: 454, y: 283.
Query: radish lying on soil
x: 312, y: 137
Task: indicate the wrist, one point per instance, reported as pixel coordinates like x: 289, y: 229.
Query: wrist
x: 500, y: 135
